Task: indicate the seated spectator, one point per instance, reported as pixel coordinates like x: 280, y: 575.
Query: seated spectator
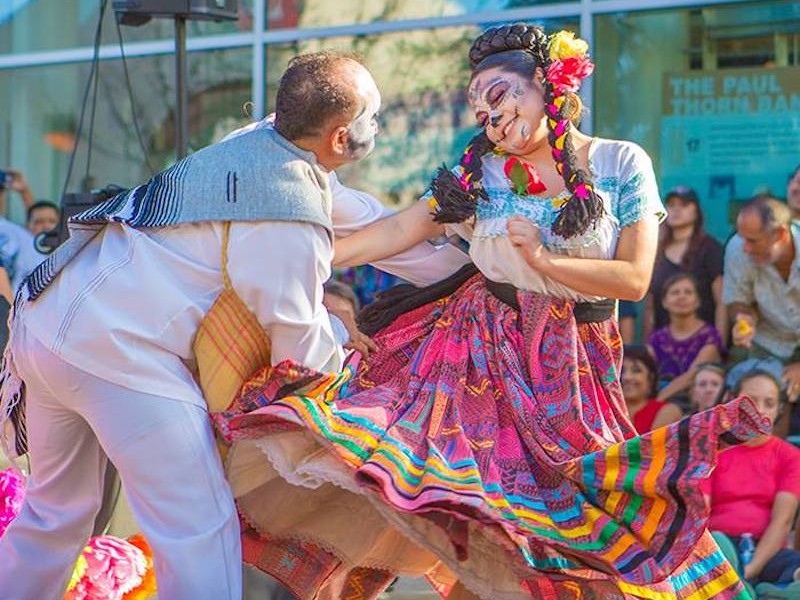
x: 627, y: 321
x: 685, y: 247
x: 639, y: 379
x: 339, y: 298
x: 366, y: 281
x: 755, y: 489
x: 18, y: 184
x: 762, y: 287
x: 43, y: 216
x: 793, y: 193
x: 341, y: 302
x: 685, y: 341
x: 708, y: 387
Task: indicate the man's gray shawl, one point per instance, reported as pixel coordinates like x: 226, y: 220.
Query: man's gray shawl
x: 255, y: 176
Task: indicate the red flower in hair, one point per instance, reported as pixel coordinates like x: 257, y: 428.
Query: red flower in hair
x: 566, y: 74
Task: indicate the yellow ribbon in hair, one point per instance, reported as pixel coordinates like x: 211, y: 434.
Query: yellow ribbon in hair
x: 559, y: 144
x: 564, y: 44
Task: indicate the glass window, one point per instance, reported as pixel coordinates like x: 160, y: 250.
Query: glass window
x: 324, y: 13
x: 40, y: 114
x: 713, y: 94
x: 422, y: 76
x: 36, y: 25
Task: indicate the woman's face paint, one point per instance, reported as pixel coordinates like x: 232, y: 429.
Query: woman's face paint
x: 509, y: 108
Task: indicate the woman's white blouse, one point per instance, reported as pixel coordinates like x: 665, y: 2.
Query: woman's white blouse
x: 623, y: 176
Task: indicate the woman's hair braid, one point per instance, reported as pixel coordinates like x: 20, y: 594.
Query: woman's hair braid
x: 456, y: 197
x: 518, y: 36
x: 584, y: 207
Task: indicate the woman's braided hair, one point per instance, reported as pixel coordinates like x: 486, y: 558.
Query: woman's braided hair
x: 456, y: 198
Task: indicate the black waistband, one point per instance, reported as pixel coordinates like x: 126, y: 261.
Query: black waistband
x: 585, y: 312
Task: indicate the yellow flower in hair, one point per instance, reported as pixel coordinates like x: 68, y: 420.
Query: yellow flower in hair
x: 564, y: 44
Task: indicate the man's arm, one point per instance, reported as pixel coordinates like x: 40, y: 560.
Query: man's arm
x: 738, y: 294
x: 421, y: 265
x: 278, y: 269
x: 20, y: 185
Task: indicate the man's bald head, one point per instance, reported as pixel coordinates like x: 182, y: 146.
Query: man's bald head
x: 316, y: 90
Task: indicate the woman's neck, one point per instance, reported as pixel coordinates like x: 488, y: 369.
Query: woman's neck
x: 635, y: 405
x: 541, y: 151
x: 684, y: 325
x: 759, y: 441
x: 682, y: 234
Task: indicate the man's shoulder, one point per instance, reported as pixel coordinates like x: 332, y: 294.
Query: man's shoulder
x: 735, y: 256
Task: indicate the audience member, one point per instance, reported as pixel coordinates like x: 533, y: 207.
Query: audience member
x: 18, y: 184
x: 793, y: 193
x: 366, y: 281
x: 627, y: 321
x: 755, y: 489
x: 43, y: 215
x: 341, y: 297
x: 17, y: 251
x: 685, y: 341
x: 342, y: 302
x: 639, y: 380
x: 685, y: 247
x: 708, y: 386
x: 762, y: 285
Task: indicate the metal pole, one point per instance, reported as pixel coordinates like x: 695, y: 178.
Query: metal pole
x: 181, y: 91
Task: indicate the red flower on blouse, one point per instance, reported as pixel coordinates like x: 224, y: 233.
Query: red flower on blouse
x: 524, y: 178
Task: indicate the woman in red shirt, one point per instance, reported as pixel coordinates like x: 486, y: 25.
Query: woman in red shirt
x: 639, y: 386
x: 755, y: 489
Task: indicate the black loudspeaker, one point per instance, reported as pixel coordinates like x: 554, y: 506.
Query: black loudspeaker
x: 139, y: 12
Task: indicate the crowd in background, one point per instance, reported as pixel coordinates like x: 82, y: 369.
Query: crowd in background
x: 721, y: 321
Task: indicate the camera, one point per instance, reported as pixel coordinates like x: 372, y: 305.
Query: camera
x: 6, y: 179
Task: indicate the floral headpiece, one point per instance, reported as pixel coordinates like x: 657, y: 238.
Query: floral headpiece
x: 569, y: 62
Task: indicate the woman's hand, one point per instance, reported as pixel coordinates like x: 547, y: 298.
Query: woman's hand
x: 527, y: 239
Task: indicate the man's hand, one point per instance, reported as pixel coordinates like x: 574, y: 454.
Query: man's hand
x: 20, y: 184
x: 791, y: 378
x: 358, y: 341
x: 743, y: 330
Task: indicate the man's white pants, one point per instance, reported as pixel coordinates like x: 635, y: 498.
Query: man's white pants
x: 171, y: 473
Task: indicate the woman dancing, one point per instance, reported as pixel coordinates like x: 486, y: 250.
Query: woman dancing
x: 486, y: 444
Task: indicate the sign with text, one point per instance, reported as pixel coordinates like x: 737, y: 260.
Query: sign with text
x: 730, y: 134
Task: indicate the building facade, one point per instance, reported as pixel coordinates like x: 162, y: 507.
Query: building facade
x: 710, y: 89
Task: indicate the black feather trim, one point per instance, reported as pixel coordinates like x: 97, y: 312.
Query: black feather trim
x: 456, y: 204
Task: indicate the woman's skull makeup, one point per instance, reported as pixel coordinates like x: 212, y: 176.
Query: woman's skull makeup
x: 507, y: 107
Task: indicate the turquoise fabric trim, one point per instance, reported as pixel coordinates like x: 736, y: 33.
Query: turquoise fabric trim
x: 542, y: 210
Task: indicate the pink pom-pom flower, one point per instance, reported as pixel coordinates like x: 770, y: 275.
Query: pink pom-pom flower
x: 12, y: 493
x: 107, y: 569
x: 566, y: 74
